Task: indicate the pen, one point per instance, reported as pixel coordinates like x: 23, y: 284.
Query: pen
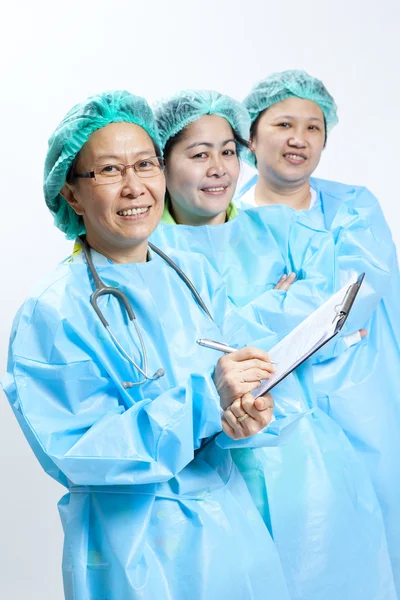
x: 221, y: 347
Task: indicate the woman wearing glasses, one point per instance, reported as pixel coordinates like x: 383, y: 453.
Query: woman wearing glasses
x: 117, y: 400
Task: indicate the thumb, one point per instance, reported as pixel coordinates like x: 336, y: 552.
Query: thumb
x: 260, y: 403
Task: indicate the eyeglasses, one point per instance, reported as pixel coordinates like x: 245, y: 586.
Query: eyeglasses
x: 145, y: 167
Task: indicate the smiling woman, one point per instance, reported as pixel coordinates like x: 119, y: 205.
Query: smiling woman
x: 124, y: 203
x: 291, y: 114
x: 155, y: 507
x: 203, y: 134
x: 288, y: 139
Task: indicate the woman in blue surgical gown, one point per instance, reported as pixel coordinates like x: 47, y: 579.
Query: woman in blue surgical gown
x: 155, y: 507
x: 311, y: 522
x: 291, y: 114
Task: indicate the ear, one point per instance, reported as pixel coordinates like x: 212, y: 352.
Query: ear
x: 68, y: 193
x: 251, y: 145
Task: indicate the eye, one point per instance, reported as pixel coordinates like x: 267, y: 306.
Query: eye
x: 145, y: 164
x: 284, y: 124
x: 314, y: 127
x: 109, y: 170
x: 200, y: 155
x: 229, y: 152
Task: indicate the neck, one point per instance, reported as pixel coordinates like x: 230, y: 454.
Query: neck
x: 196, y: 220
x: 296, y: 196
x: 130, y: 254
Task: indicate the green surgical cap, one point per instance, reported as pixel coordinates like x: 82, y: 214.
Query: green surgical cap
x: 175, y: 113
x: 291, y: 84
x: 72, y: 134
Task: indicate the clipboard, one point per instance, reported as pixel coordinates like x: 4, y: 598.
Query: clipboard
x: 313, y: 333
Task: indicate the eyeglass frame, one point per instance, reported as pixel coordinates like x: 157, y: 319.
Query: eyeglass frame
x: 92, y: 174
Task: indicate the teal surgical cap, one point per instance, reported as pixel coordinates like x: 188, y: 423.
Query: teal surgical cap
x: 290, y: 84
x: 72, y: 134
x: 175, y: 113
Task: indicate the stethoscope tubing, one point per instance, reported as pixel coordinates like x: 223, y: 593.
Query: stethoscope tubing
x: 103, y: 290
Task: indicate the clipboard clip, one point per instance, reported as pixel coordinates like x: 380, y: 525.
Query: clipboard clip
x: 342, y: 310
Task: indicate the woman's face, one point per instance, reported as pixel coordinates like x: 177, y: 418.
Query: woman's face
x: 289, y: 140
x: 102, y: 205
x: 202, y: 170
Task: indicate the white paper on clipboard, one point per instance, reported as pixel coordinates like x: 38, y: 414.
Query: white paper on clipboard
x: 309, y: 336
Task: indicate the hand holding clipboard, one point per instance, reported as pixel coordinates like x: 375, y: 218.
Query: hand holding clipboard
x: 307, y: 338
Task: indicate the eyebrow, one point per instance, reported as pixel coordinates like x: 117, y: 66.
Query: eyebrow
x: 208, y: 144
x: 119, y: 158
x: 292, y: 117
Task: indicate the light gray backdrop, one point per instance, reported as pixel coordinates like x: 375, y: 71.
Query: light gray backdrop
x: 55, y: 54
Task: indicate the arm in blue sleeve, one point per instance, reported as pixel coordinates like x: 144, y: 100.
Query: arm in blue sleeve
x: 74, y: 412
x: 310, y: 255
x: 364, y: 245
x: 292, y: 398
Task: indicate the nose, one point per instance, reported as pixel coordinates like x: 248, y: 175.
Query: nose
x: 133, y: 185
x: 216, y: 167
x: 297, y: 140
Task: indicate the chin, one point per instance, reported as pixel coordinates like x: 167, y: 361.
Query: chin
x: 292, y: 177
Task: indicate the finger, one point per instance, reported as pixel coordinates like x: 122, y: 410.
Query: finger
x: 363, y: 333
x: 245, y: 424
x: 236, y: 409
x: 288, y: 282
x: 255, y: 375
x: 280, y: 282
x: 248, y: 353
x: 248, y: 426
x: 251, y: 426
x: 255, y: 363
x: 237, y: 389
x: 265, y: 402
x: 259, y: 409
x: 232, y: 421
x: 226, y: 428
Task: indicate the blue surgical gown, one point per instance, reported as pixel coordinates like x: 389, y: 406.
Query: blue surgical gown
x: 360, y: 388
x: 155, y: 508
x: 312, y: 480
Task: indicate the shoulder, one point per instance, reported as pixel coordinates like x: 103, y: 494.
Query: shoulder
x: 194, y: 265
x: 354, y: 195
x: 40, y: 318
x: 335, y: 187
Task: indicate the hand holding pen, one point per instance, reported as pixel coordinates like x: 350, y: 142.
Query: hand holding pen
x: 239, y: 371
x: 237, y: 374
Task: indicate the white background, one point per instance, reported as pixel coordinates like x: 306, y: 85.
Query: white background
x: 55, y: 54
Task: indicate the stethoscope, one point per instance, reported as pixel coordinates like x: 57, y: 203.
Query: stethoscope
x: 103, y: 290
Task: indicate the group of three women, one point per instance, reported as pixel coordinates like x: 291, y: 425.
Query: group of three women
x: 181, y: 485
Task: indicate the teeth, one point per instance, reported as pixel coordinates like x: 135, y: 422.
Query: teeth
x: 132, y: 211
x: 215, y: 189
x: 295, y: 156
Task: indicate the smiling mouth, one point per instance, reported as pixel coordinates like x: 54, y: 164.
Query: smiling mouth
x: 132, y: 212
x: 295, y: 158
x: 215, y: 190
